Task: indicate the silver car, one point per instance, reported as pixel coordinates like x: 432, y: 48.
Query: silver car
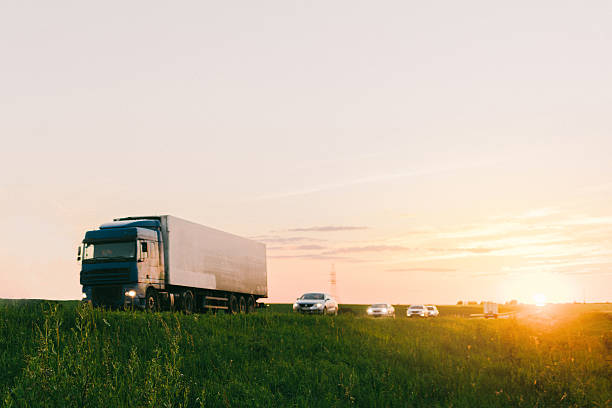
x: 316, y: 303
x: 417, y: 311
x: 432, y: 311
x: 381, y: 310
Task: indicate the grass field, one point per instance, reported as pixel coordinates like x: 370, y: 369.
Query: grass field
x: 66, y: 354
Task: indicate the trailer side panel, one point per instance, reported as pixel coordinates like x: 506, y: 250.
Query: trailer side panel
x: 206, y: 258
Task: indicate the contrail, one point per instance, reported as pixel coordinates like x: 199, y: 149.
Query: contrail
x: 373, y: 179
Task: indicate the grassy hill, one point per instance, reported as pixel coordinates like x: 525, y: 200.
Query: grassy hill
x: 66, y: 354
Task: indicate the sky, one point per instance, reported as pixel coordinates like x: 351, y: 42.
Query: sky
x: 427, y: 151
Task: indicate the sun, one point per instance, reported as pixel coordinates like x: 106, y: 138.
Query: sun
x: 539, y: 299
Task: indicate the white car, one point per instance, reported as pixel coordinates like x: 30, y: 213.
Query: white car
x: 316, y: 303
x: 432, y: 311
x: 381, y: 310
x: 417, y: 311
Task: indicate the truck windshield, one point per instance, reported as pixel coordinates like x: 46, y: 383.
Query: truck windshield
x: 110, y: 250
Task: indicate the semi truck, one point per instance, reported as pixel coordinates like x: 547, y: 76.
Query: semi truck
x: 490, y: 309
x: 167, y: 263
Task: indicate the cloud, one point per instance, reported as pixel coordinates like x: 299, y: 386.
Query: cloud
x: 307, y: 247
x: 327, y: 228
x: 368, y: 248
x: 539, y: 213
x: 380, y: 178
x: 321, y: 257
x: 484, y: 274
x: 420, y: 270
x: 479, y: 250
x: 284, y: 240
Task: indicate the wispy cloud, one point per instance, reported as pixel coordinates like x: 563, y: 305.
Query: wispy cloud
x: 540, y: 240
x: 368, y: 248
x: 420, y: 270
x: 379, y: 178
x: 323, y: 257
x: 327, y: 228
x: 307, y: 247
x: 539, y: 213
x: 284, y: 240
x: 485, y: 274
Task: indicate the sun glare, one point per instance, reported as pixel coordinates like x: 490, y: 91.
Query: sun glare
x: 539, y: 299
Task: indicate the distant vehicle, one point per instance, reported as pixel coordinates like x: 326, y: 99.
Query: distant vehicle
x: 316, y: 303
x: 381, y: 310
x: 167, y: 263
x: 417, y: 311
x: 432, y: 311
x: 491, y: 309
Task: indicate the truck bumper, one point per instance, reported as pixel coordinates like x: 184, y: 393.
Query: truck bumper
x: 134, y: 302
x: 115, y: 296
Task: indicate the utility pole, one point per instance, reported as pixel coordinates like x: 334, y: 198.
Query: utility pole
x: 332, y: 281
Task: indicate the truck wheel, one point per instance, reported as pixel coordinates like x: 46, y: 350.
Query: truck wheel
x: 250, y: 304
x: 188, y: 302
x: 233, y: 304
x: 151, y: 300
x: 242, y: 305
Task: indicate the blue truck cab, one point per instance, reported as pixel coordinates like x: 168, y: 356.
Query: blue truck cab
x: 120, y: 261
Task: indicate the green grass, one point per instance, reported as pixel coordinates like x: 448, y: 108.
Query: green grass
x: 66, y: 354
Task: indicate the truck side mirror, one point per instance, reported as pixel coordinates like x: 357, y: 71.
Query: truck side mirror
x: 79, y: 254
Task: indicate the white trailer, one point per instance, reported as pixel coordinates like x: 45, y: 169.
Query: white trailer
x: 206, y: 258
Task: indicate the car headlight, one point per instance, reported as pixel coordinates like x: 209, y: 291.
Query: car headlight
x: 295, y: 306
x: 369, y: 310
x: 383, y: 310
x: 320, y: 306
x: 84, y: 295
x: 130, y: 293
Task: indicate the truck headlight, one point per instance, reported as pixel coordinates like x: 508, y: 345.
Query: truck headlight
x: 130, y: 293
x: 84, y: 295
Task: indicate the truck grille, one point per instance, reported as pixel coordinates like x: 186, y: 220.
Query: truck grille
x: 107, y: 295
x: 105, y: 276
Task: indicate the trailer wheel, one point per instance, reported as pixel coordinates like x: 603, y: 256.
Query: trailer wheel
x: 233, y: 304
x: 188, y: 302
x: 242, y: 305
x: 250, y: 304
x: 152, y: 300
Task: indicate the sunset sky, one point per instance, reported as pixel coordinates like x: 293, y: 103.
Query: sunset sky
x: 429, y: 151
